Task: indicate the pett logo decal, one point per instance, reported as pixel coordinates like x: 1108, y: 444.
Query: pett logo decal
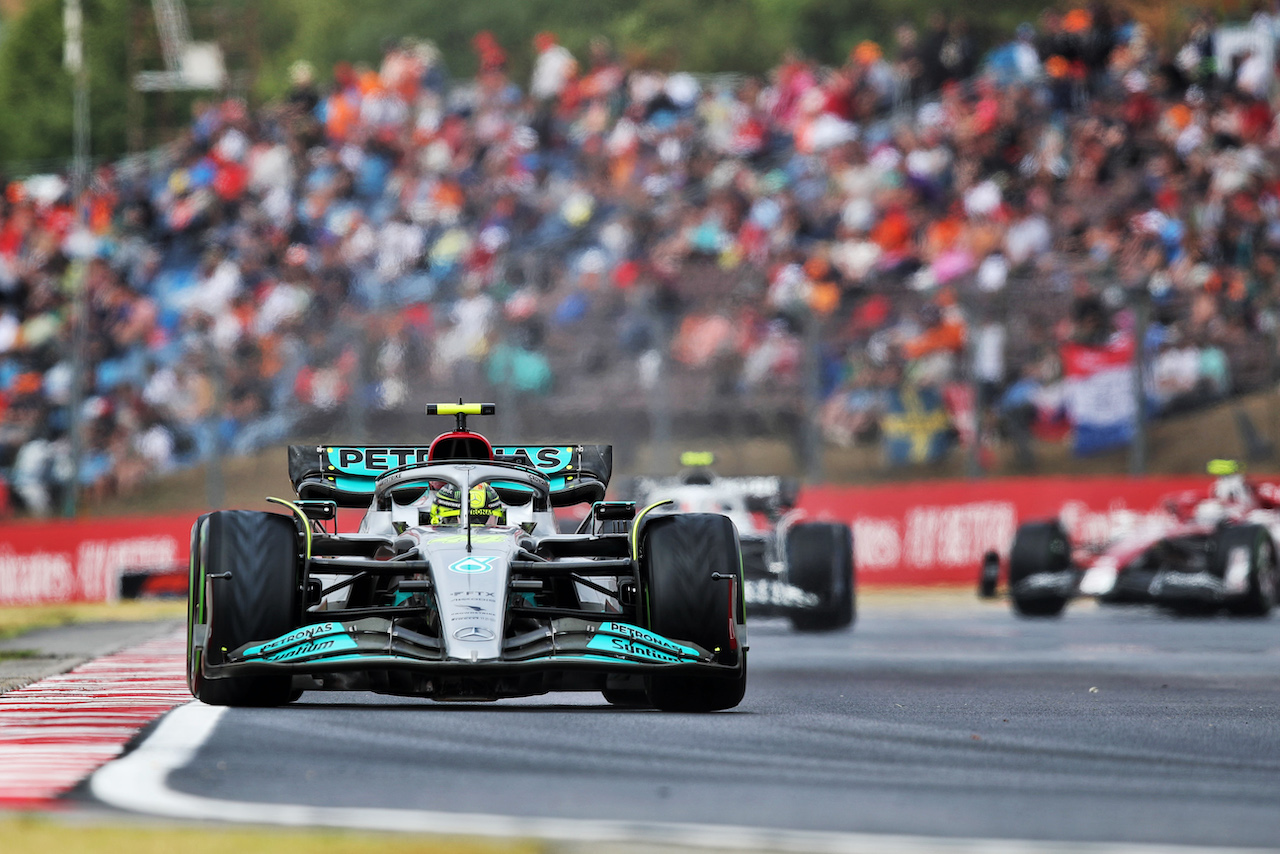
x: 472, y: 564
x: 370, y: 462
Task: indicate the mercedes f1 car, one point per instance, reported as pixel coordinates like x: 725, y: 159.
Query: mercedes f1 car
x: 794, y: 567
x: 456, y: 584
x: 1210, y: 552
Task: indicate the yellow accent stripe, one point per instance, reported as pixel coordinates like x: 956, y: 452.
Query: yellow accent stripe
x: 697, y: 458
x: 635, y: 526
x: 302, y: 517
x: 455, y: 409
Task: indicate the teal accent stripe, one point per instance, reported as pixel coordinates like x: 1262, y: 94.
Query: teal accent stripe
x: 315, y: 648
x: 307, y: 635
x: 648, y: 638
x: 630, y: 649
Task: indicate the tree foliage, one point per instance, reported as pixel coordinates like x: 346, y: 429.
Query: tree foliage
x: 36, y: 91
x: 708, y: 36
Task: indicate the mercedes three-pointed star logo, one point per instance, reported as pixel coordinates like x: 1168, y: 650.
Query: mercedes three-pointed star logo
x: 473, y: 633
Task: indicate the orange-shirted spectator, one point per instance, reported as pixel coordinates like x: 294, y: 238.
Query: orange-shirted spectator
x: 824, y: 293
x: 341, y: 114
x: 943, y: 235
x: 944, y: 330
x: 894, y: 232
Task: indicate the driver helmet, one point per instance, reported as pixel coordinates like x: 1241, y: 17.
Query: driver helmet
x: 483, y: 505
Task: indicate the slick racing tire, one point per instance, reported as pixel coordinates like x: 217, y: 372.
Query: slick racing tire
x: 678, y: 556
x: 1038, y: 547
x: 820, y: 562
x: 195, y: 600
x: 989, y: 575
x: 254, y: 597
x: 1260, y: 596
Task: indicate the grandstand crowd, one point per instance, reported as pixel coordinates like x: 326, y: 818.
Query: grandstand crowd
x: 938, y: 217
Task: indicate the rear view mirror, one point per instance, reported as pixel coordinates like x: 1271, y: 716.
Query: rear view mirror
x: 314, y: 509
x: 607, y: 510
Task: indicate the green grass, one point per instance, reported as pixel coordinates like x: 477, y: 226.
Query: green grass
x: 19, y: 619
x: 29, y: 834
x: 14, y: 654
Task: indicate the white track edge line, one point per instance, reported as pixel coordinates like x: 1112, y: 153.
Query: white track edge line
x: 138, y: 783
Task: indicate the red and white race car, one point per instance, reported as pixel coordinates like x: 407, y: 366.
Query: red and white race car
x: 1210, y: 550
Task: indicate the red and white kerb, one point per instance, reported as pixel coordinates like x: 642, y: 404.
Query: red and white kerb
x: 55, y: 732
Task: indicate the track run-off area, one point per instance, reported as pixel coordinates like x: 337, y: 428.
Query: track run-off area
x: 937, y: 723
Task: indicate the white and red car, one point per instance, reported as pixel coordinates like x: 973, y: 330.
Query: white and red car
x: 1210, y: 550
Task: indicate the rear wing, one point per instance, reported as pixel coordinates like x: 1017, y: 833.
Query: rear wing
x: 346, y: 474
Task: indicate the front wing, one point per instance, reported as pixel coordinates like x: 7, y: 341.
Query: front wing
x: 376, y: 642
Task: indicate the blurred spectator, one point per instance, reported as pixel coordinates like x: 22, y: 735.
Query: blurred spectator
x: 386, y: 229
x: 553, y: 68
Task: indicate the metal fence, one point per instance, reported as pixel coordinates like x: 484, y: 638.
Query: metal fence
x: 604, y: 393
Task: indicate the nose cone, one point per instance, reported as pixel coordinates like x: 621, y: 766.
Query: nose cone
x: 471, y: 588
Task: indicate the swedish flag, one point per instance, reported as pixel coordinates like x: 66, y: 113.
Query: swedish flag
x: 916, y: 426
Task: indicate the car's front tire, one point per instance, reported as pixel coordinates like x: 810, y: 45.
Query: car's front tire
x: 248, y: 563
x: 679, y: 556
x: 195, y: 601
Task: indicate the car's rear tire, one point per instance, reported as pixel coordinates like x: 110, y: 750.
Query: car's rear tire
x: 820, y: 561
x: 683, y: 601
x: 1038, y: 547
x: 257, y: 598
x: 1260, y: 597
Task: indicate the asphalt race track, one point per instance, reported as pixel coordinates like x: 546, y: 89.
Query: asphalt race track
x: 950, y: 720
